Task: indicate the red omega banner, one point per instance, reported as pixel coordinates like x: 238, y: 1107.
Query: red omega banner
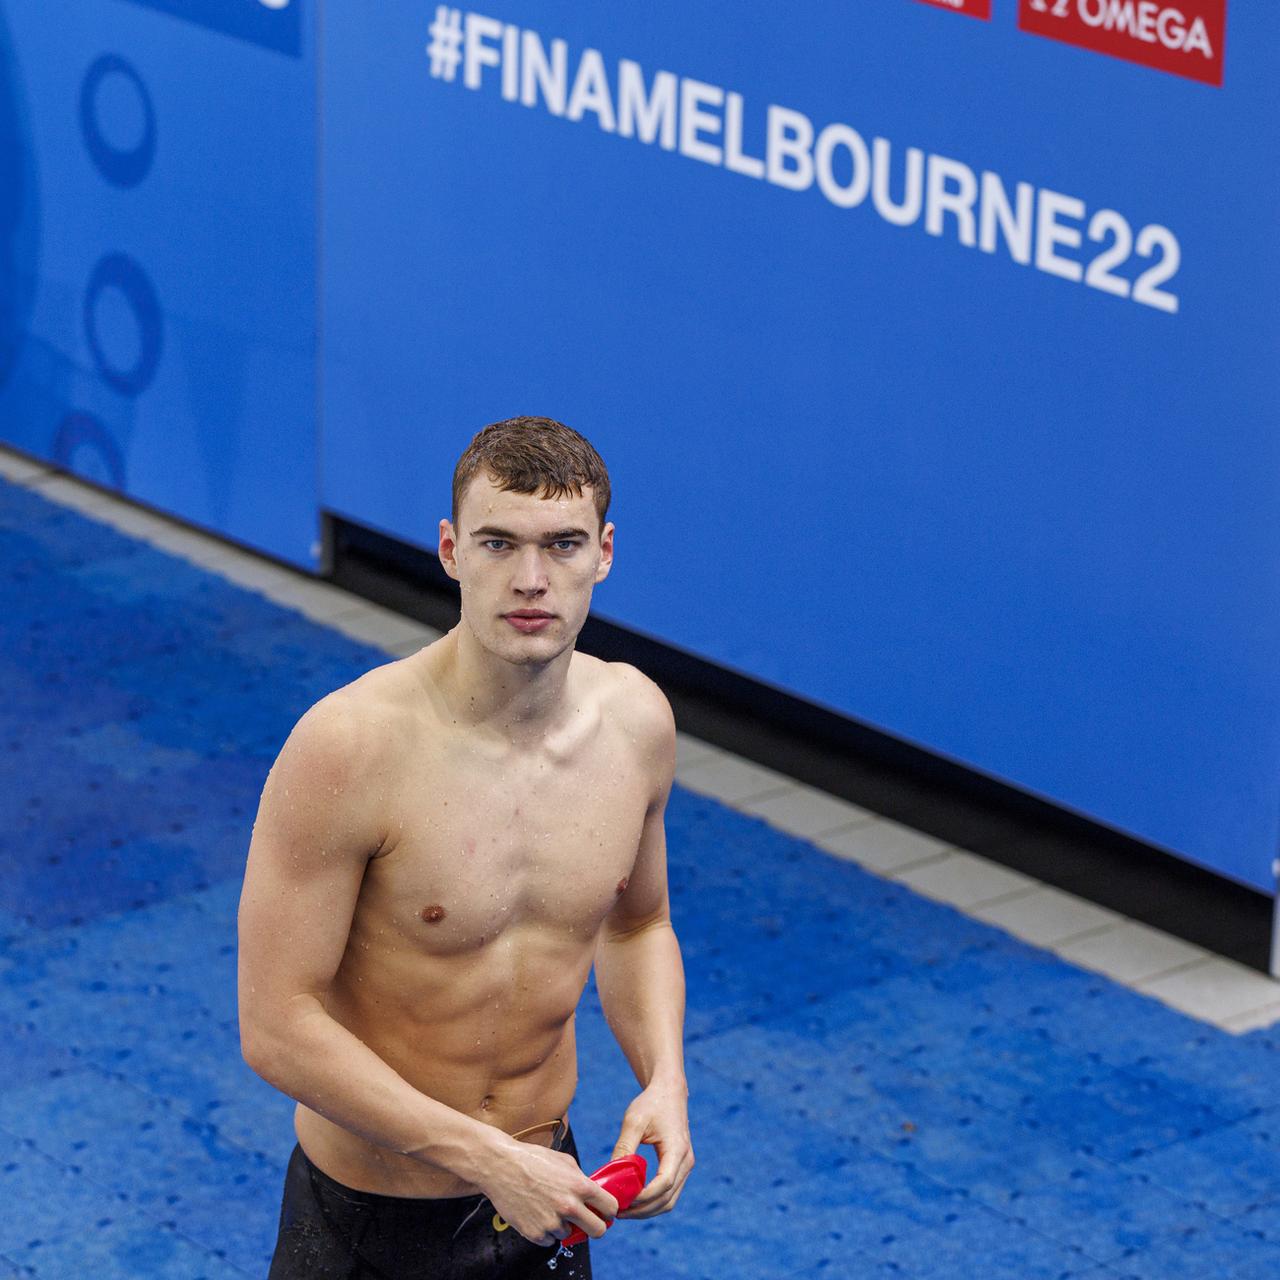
x: 974, y: 8
x: 1185, y: 37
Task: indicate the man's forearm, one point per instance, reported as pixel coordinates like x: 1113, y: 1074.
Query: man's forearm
x: 317, y: 1061
x: 640, y: 977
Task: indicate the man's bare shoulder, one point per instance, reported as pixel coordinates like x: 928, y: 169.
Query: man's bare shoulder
x: 356, y: 724
x: 632, y: 700
x: 382, y: 690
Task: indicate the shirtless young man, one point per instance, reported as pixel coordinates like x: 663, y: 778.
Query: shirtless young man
x: 442, y: 850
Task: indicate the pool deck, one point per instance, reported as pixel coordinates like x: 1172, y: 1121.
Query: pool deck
x: 905, y: 1060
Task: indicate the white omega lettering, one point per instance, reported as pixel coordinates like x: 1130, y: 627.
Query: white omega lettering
x: 1170, y: 29
x: 1197, y: 38
x: 1121, y: 17
x: 1149, y: 21
x: 1111, y: 14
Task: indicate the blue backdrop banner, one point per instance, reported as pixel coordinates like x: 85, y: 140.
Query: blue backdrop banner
x: 931, y: 345
x: 933, y: 359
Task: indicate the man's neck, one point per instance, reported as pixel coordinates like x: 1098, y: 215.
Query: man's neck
x: 520, y: 701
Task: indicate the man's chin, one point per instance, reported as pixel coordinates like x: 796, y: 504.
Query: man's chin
x: 535, y: 650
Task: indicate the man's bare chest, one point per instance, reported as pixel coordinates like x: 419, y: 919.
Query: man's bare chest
x: 481, y: 851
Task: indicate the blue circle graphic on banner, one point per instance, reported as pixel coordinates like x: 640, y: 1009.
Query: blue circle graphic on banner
x: 83, y: 445
x: 121, y: 272
x: 122, y: 166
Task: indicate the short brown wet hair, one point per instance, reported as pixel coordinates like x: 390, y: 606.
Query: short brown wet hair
x: 533, y: 455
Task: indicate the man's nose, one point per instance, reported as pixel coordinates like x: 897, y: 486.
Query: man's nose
x: 530, y: 575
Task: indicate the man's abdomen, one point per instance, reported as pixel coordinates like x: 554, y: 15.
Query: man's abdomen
x: 476, y: 1089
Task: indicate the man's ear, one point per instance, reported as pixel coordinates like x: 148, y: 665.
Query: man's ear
x: 606, y: 552
x: 449, y: 549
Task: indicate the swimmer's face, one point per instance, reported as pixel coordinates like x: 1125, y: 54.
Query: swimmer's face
x: 517, y: 555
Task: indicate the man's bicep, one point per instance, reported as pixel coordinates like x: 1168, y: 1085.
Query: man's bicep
x: 645, y: 898
x: 316, y: 828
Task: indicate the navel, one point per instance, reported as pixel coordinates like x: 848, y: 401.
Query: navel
x: 622, y: 885
x: 433, y: 914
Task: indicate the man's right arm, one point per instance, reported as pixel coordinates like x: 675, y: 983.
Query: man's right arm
x: 319, y: 822
x: 321, y: 818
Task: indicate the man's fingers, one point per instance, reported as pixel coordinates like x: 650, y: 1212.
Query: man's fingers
x: 649, y: 1210
x: 660, y: 1194
x: 655, y: 1193
x: 643, y: 1205
x: 662, y: 1205
x: 669, y: 1161
x: 601, y: 1201
x: 628, y: 1140
x: 591, y: 1223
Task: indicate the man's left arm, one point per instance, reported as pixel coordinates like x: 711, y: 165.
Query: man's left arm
x: 640, y: 976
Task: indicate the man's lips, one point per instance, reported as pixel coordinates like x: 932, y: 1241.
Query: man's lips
x: 529, y: 620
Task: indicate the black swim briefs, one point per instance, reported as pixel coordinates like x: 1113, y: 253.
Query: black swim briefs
x: 330, y: 1232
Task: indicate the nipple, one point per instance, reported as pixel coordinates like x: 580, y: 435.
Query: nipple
x: 434, y: 913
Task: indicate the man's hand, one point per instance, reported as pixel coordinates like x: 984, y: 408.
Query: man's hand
x: 658, y: 1116
x: 544, y: 1195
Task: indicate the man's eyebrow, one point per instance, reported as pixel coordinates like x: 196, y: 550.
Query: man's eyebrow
x: 489, y: 531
